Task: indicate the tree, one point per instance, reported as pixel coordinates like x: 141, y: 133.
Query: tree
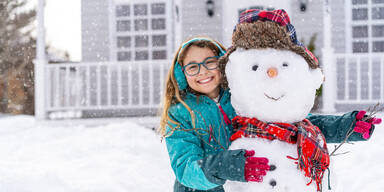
x: 17, y: 51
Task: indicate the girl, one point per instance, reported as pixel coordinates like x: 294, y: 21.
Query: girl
x: 196, y: 122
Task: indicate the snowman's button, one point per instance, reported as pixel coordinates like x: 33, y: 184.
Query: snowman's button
x: 272, y: 167
x: 273, y: 183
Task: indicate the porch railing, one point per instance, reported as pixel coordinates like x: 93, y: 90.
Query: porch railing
x: 104, y: 86
x: 359, y: 78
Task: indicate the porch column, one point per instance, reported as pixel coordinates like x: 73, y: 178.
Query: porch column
x: 40, y: 63
x: 328, y: 62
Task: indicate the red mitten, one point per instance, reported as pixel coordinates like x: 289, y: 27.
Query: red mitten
x: 364, y: 127
x: 255, y: 167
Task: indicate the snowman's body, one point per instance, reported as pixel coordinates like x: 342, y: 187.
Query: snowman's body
x: 272, y: 86
x: 285, y: 178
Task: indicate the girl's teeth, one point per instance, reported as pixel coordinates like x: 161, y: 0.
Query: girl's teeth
x: 205, y: 80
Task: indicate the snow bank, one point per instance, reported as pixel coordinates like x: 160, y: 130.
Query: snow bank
x: 124, y: 156
x: 114, y: 157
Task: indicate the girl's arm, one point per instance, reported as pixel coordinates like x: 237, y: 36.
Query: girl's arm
x: 335, y: 128
x: 192, y: 167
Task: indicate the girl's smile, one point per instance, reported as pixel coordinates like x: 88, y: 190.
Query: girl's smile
x: 205, y: 80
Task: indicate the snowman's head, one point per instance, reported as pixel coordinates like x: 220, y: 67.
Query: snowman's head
x: 271, y: 75
x: 272, y: 85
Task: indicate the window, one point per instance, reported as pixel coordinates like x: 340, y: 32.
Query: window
x: 360, y: 47
x: 124, y: 42
x: 141, y: 55
x: 378, y: 13
x: 357, y: 2
x: 360, y: 31
x: 161, y: 54
x: 123, y: 25
x: 360, y: 14
x: 377, y: 1
x: 158, y: 9
x: 378, y: 46
x: 159, y: 40
x: 141, y: 41
x: 122, y: 10
x: 124, y: 56
x: 141, y: 31
x: 141, y: 24
x: 367, y: 26
x: 158, y: 24
x: 378, y: 31
x: 140, y: 9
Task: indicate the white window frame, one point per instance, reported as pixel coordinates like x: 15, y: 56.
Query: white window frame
x: 114, y: 34
x: 350, y: 23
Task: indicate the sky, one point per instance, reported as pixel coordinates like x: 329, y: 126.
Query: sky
x: 63, y: 26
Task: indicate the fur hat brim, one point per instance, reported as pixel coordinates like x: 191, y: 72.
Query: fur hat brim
x: 265, y: 34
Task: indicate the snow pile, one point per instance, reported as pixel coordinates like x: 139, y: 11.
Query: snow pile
x: 114, y: 157
x: 361, y: 169
x: 127, y: 157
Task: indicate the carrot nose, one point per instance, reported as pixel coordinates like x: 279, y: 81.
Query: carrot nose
x: 272, y: 72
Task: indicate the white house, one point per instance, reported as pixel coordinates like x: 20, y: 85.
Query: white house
x: 128, y: 45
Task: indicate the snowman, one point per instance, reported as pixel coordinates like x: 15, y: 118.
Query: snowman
x: 273, y: 80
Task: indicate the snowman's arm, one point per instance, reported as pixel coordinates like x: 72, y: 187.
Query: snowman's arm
x: 335, y: 128
x: 195, y: 169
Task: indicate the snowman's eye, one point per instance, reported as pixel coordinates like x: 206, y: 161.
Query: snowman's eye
x: 254, y: 68
x: 285, y: 64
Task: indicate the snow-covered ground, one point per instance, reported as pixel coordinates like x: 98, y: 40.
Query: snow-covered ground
x: 121, y: 155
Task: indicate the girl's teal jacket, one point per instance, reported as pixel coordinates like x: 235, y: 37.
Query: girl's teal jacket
x: 199, y: 157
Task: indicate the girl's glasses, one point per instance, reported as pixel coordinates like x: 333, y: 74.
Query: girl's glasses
x: 210, y: 63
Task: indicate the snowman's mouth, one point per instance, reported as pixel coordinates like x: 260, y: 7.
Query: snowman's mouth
x: 274, y: 98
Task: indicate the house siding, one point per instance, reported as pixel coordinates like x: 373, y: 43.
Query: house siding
x: 195, y: 20
x: 95, y: 30
x: 190, y: 18
x: 308, y: 23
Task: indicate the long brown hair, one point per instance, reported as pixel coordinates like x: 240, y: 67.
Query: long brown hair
x: 172, y: 93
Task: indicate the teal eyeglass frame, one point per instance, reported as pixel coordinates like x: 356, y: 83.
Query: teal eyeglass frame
x: 199, y: 66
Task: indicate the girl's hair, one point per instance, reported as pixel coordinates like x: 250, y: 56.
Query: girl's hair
x: 172, y: 93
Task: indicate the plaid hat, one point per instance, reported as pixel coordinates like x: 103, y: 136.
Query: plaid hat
x: 269, y: 29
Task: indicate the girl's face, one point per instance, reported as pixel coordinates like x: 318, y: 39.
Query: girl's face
x: 206, y: 81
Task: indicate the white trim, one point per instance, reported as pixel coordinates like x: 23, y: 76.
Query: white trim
x: 119, y: 85
x: 348, y: 26
x: 98, y: 92
x: 369, y: 27
x: 66, y: 89
x: 140, y: 68
x: 150, y: 84
x: 347, y: 78
x: 381, y: 77
x: 130, y: 84
x: 358, y: 79
x: 78, y: 96
x: 112, y: 30
x: 39, y: 65
x: 370, y: 85
x: 58, y: 85
x: 109, y: 84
